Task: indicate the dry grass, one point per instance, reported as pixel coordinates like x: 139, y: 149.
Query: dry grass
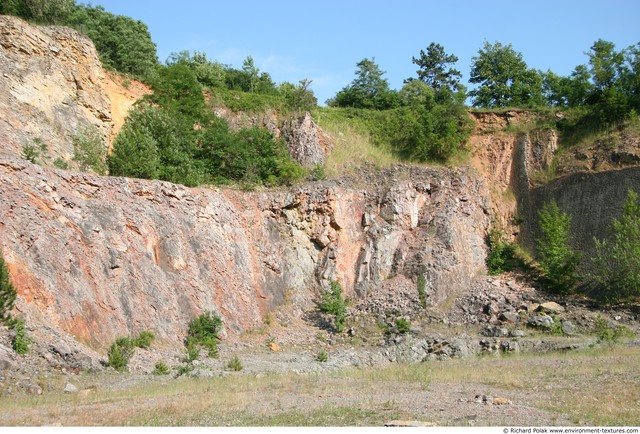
x: 593, y: 387
x: 352, y: 146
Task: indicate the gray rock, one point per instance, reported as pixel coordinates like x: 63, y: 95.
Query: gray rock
x: 61, y: 348
x: 540, y: 321
x: 495, y: 332
x: 517, y: 333
x: 509, y: 317
x: 70, y: 388
x: 7, y: 358
x: 491, y: 309
x: 568, y: 328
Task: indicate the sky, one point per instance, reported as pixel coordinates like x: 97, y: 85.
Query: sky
x: 324, y: 40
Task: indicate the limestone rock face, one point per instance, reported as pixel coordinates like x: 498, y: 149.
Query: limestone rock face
x: 101, y: 257
x: 52, y: 86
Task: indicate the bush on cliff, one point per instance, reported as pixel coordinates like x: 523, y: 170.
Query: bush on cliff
x: 333, y: 304
x: 8, y: 294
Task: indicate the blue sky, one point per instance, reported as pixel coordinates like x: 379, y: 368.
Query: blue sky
x: 323, y: 40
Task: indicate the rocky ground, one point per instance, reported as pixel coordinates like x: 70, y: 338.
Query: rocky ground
x: 498, y: 315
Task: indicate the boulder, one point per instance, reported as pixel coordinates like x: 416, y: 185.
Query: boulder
x: 550, y: 307
x: 540, y: 321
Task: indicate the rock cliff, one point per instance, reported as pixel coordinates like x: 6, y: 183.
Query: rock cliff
x: 101, y: 257
x: 53, y: 85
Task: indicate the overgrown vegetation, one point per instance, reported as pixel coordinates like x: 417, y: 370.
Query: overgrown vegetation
x: 333, y: 304
x: 121, y: 351
x: 615, y: 267
x: 8, y: 294
x: 89, y: 150
x: 173, y: 137
x: 504, y: 256
x: 610, y: 334
x: 557, y: 259
x: 204, y: 332
x: 20, y: 342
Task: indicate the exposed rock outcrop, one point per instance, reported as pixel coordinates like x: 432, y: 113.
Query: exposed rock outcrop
x: 306, y: 142
x: 507, y: 160
x: 53, y: 87
x: 103, y: 257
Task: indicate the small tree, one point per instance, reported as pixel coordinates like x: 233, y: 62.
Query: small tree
x: 333, y: 304
x: 558, y: 260
x: 7, y: 294
x: 120, y: 353
x: 204, y: 331
x: 616, y: 264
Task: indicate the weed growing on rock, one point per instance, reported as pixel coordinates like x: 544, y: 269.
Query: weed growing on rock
x: 402, y: 325
x: 144, y: 339
x: 504, y: 256
x: 7, y: 294
x: 322, y: 356
x: 161, y: 369
x: 89, y: 150
x: 235, y: 364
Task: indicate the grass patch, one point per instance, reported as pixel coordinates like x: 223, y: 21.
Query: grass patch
x: 353, y: 147
x: 595, y: 387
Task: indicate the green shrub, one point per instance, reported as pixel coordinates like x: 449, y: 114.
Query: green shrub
x: 33, y: 152
x: 89, y: 150
x: 120, y: 353
x: 21, y: 341
x: 204, y: 331
x: 144, y: 339
x: 322, y: 356
x: 235, y: 364
x: 558, y: 260
x: 8, y: 294
x: 608, y: 334
x: 402, y: 325
x: 59, y: 163
x: 161, y: 369
x: 501, y: 254
x: 615, y: 267
x: 193, y: 350
x: 333, y: 304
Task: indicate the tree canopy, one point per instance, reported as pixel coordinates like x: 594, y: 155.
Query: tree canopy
x: 436, y: 70
x: 367, y: 90
x: 504, y: 78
